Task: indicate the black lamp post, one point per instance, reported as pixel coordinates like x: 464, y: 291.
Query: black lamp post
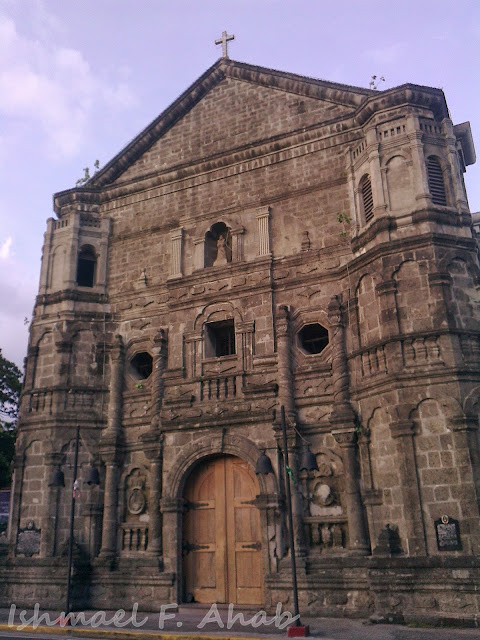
x: 264, y: 467
x: 58, y: 480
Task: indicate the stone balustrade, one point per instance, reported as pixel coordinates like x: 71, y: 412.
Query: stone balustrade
x: 220, y: 387
x: 133, y: 538
x: 326, y: 535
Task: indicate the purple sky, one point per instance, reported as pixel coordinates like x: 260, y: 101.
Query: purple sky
x: 78, y: 80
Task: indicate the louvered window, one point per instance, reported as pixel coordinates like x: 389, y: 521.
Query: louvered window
x: 436, y: 183
x: 367, y: 198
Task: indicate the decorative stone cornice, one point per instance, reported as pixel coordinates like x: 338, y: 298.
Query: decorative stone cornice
x: 71, y: 294
x: 171, y: 505
x: 345, y: 437
x: 402, y: 428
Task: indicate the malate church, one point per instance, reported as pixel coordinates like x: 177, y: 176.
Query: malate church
x: 270, y: 240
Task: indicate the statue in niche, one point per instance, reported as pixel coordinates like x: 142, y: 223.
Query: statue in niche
x: 221, y: 252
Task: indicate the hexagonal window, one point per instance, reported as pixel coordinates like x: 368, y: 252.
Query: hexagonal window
x: 313, y: 338
x: 141, y: 365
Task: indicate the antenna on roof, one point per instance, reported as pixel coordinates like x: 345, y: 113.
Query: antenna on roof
x: 373, y: 84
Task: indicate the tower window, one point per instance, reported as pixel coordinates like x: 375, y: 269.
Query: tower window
x: 436, y: 183
x: 141, y: 365
x: 86, y: 267
x: 367, y: 198
x: 220, y: 339
x: 313, y: 338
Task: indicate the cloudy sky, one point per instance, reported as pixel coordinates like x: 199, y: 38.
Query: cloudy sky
x: 79, y: 79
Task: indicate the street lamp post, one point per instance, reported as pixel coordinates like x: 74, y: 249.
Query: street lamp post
x: 58, y: 480
x: 264, y: 466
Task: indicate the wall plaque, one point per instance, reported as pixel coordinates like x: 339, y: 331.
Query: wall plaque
x: 448, y: 534
x: 28, y: 540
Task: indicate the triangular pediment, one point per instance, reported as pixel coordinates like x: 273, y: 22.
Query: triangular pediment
x: 233, y: 105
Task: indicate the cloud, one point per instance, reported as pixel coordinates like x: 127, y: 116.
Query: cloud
x: 18, y: 286
x: 386, y: 55
x: 53, y: 89
x: 5, y: 248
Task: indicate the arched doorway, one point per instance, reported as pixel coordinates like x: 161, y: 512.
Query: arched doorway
x: 222, y: 558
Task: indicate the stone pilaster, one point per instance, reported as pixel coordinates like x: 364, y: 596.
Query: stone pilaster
x: 237, y: 244
x: 110, y: 524
x: 467, y: 458
x: 419, y: 169
x: 285, y: 381
x: 176, y: 265
x: 115, y: 405
x: 287, y: 399
x: 357, y: 534
x: 30, y: 367
x: 153, y: 447
x: 16, y: 496
x: 244, y: 331
x: 110, y: 450
x: 416, y: 544
x: 48, y: 545
x: 373, y: 151
x: 389, y: 325
x: 172, y: 541
x: 263, y: 218
x: 45, y: 274
x: 343, y: 421
x: 193, y: 353
x: 455, y: 177
x: 158, y: 383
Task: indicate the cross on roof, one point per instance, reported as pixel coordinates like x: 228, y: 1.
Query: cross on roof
x: 223, y: 41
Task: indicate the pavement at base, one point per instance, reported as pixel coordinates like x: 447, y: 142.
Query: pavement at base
x: 192, y: 622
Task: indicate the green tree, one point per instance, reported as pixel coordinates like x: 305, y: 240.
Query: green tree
x: 10, y: 386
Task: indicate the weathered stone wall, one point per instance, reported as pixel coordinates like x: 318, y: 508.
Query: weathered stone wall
x: 389, y: 406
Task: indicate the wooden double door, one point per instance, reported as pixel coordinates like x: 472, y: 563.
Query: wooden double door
x: 222, y: 556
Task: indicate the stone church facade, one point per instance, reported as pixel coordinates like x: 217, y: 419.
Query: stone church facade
x: 269, y: 240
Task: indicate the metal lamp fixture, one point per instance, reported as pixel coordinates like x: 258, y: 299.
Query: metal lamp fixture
x: 58, y: 480
x: 308, y: 461
x: 93, y: 477
x: 264, y: 467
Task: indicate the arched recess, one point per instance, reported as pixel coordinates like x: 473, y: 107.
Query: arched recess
x: 214, y: 445
x: 81, y: 358
x: 88, y: 494
x: 442, y: 481
x: 399, y: 183
x: 190, y: 462
x: 386, y: 481
x: 465, y: 294
x: 471, y: 408
x: 368, y: 310
x: 412, y: 295
x: 218, y: 245
x: 44, y: 371
x: 33, y: 484
x: 58, y: 264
